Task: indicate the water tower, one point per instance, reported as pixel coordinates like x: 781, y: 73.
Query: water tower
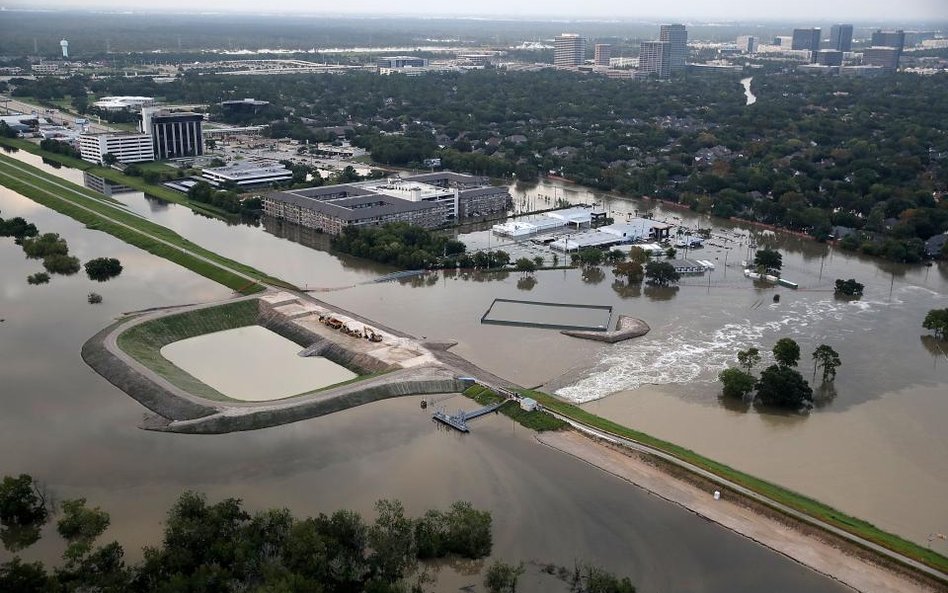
x: 65, y: 45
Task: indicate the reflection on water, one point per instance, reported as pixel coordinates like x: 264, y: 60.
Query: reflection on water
x: 886, y: 375
x: 70, y: 428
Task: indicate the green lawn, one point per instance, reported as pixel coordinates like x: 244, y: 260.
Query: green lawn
x: 535, y: 420
x: 67, y: 203
x: 792, y: 499
x: 115, y: 176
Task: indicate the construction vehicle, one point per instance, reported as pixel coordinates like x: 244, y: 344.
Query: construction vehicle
x: 372, y: 335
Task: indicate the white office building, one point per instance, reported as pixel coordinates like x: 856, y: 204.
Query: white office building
x: 248, y: 174
x: 127, y: 147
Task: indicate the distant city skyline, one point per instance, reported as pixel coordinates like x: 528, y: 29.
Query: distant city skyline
x: 802, y: 11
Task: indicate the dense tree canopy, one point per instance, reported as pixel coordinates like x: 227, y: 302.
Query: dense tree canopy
x: 784, y: 387
x: 936, y: 321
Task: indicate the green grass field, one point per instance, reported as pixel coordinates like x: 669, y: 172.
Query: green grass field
x: 68, y: 202
x: 115, y: 176
x: 535, y: 420
x: 792, y: 499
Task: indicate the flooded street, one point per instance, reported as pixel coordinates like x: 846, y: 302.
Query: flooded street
x: 72, y: 430
x: 875, y: 447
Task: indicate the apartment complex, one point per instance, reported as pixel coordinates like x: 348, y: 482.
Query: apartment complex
x: 430, y: 200
x: 655, y: 58
x: 603, y: 54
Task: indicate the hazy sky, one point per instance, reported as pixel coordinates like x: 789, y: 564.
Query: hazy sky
x: 804, y: 11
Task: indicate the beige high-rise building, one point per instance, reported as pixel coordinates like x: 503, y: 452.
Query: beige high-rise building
x: 603, y: 54
x: 654, y: 58
x: 569, y: 49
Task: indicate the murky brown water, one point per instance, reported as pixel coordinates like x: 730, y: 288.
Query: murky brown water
x: 665, y: 382
x: 68, y: 427
x: 253, y: 364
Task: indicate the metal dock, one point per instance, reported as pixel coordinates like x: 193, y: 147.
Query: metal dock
x: 459, y: 421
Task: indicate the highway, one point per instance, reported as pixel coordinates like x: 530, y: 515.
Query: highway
x: 59, y: 117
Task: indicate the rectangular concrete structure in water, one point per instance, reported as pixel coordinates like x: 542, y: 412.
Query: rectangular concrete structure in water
x: 548, y: 315
x: 253, y: 364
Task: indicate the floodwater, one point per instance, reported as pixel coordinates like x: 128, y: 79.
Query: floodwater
x: 751, y: 97
x: 665, y: 382
x: 550, y: 314
x: 253, y: 364
x: 284, y: 251
x: 77, y: 433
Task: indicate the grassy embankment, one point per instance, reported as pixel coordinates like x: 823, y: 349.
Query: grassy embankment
x: 792, y: 499
x: 143, y: 233
x: 145, y: 341
x: 115, y: 176
x: 535, y: 420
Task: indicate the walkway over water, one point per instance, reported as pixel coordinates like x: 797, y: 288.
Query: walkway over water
x: 459, y: 420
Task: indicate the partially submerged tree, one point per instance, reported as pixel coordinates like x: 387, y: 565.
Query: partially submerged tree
x: 748, y: 359
x: 849, y: 288
x: 787, y: 352
x: 784, y: 387
x: 661, y: 273
x: 24, y: 510
x: 736, y: 382
x: 936, y: 321
x: 824, y: 357
x: 768, y: 259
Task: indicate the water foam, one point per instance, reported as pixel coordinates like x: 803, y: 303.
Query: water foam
x: 684, y: 354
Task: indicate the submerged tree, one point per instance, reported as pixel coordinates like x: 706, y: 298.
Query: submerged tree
x: 787, y: 352
x: 784, y: 387
x: 23, y: 511
x: 101, y: 269
x: 768, y: 259
x: 826, y: 358
x: 849, y: 288
x: 660, y: 273
x: 748, y: 359
x: 936, y: 321
x: 737, y: 383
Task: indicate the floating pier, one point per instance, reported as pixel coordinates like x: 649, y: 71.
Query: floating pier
x: 459, y: 421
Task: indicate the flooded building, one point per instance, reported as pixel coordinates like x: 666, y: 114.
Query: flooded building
x: 429, y: 200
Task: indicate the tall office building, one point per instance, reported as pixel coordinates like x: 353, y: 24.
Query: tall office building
x: 655, y: 58
x: 748, y: 44
x: 677, y: 38
x: 806, y: 39
x: 894, y: 39
x: 884, y: 57
x: 569, y: 49
x: 603, y: 53
x: 828, y: 57
x: 174, y: 134
x: 841, y: 38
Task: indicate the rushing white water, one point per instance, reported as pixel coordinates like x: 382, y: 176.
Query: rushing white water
x: 684, y: 354
x: 751, y: 97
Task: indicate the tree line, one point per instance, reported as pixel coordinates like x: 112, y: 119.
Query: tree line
x: 221, y: 547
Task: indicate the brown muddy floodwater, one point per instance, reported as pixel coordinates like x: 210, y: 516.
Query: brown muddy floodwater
x: 71, y: 429
x: 253, y: 364
x: 874, y: 447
